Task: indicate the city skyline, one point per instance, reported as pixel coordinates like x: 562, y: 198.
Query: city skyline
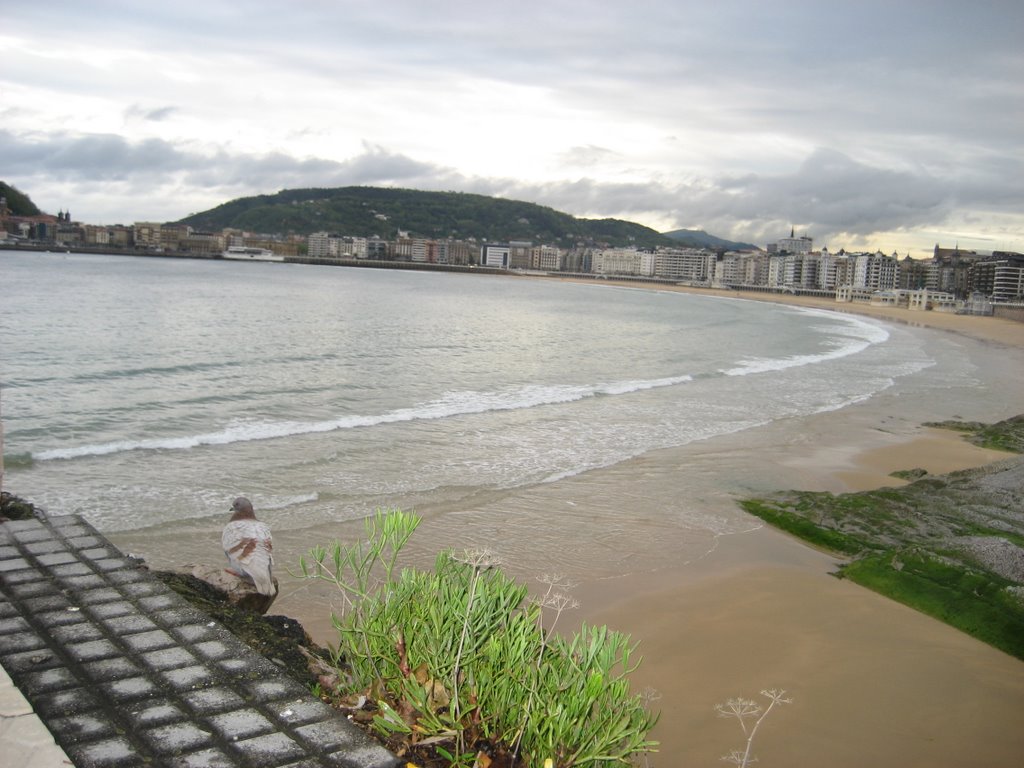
x: 866, y: 126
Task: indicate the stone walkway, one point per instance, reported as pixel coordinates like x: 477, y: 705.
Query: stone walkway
x: 124, y: 672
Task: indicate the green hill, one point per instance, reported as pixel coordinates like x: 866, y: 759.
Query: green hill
x: 18, y: 202
x: 698, y: 238
x: 368, y: 211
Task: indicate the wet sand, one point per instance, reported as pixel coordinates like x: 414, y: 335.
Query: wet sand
x: 872, y: 682
x: 725, y: 615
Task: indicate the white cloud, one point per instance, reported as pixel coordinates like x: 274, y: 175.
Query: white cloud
x: 871, y: 121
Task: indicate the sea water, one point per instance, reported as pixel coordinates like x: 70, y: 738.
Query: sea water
x: 146, y: 393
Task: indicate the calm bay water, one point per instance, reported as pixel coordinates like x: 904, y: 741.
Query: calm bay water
x: 138, y: 392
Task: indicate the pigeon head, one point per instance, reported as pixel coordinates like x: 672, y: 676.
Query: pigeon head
x: 242, y: 509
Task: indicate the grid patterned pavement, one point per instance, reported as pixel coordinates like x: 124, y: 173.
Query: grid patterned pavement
x: 124, y: 672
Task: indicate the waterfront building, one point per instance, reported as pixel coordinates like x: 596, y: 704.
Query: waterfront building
x: 623, y: 261
x: 171, y: 236
x: 496, y: 255
x: 913, y: 273
x: 950, y: 269
x: 519, y: 254
x: 318, y: 246
x: 202, y: 242
x: 999, y: 277
x: 691, y: 265
x: 875, y: 271
x: 546, y: 258
x: 729, y: 270
x: 793, y: 244
x: 146, y: 234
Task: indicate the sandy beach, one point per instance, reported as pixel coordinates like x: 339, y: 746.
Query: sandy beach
x: 726, y: 615
x: 872, y: 682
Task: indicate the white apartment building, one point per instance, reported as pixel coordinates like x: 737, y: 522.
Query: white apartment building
x: 875, y: 271
x: 794, y: 244
x: 547, y: 258
x: 420, y: 251
x: 323, y: 245
x: 623, y: 261
x: 495, y: 256
x: 692, y: 265
x: 318, y: 245
x: 729, y: 270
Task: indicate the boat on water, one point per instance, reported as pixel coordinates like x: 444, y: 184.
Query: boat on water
x: 245, y: 253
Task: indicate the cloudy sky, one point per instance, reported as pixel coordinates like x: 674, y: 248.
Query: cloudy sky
x: 893, y: 125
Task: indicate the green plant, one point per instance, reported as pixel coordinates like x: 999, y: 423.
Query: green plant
x: 457, y: 657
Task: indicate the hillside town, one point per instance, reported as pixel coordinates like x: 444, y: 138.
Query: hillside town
x: 953, y: 280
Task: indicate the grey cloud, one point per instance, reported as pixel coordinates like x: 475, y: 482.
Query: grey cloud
x: 830, y: 195
x: 154, y: 114
x: 585, y: 155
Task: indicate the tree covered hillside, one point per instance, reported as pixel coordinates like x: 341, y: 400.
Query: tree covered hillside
x: 18, y: 202
x: 368, y: 211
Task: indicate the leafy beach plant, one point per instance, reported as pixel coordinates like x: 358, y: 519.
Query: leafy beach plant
x: 458, y: 658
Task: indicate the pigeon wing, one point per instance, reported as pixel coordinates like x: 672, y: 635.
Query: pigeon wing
x: 249, y: 549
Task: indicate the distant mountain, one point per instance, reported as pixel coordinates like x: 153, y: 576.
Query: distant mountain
x: 18, y: 202
x: 368, y: 211
x: 698, y: 238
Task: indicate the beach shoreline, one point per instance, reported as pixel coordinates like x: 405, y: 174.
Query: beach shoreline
x: 998, y: 330
x: 750, y: 608
x: 871, y: 679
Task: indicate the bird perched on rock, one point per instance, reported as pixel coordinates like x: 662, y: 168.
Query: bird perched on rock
x: 249, y: 547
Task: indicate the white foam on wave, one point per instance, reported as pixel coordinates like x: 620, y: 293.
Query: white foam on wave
x: 451, y: 404
x: 853, y: 337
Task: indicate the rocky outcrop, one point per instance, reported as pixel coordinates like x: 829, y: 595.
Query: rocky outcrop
x: 237, y: 591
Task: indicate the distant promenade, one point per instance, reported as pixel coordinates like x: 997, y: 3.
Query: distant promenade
x: 789, y: 295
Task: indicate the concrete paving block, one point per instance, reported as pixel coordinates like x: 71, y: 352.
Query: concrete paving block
x: 212, y: 700
x: 299, y: 711
x: 175, y: 738
x: 77, y: 632
x: 167, y: 658
x: 77, y: 729
x: 61, y: 617
x: 207, y: 758
x: 16, y: 564
x: 190, y: 678
x: 129, y: 624
x: 148, y: 641
x: 111, y: 669
x: 51, y: 602
x: 70, y: 562
x: 152, y: 712
x: 46, y: 547
x: 60, y: 703
x: 93, y: 650
x: 111, y: 609
x: 241, y: 724
x: 48, y: 681
x: 115, y: 752
x: 273, y: 749
x: 130, y: 689
x: 29, y: 661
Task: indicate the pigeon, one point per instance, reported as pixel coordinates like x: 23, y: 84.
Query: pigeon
x: 249, y: 548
